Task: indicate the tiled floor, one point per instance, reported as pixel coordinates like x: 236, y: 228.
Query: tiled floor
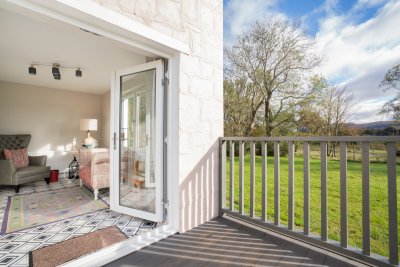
x: 15, y: 246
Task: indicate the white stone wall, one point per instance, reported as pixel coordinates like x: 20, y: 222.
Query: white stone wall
x: 199, y: 24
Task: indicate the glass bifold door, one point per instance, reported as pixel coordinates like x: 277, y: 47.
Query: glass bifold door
x: 137, y: 183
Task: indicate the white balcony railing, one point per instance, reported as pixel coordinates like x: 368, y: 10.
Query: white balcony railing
x: 236, y: 200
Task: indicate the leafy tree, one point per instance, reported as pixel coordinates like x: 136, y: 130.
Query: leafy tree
x: 392, y: 81
x: 309, y: 122
x: 273, y: 59
x: 238, y: 108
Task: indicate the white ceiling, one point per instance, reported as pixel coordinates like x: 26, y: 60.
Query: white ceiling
x: 24, y: 40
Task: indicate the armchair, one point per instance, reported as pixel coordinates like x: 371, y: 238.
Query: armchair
x: 94, y: 168
x: 10, y: 174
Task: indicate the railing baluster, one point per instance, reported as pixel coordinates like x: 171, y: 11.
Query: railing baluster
x: 252, y: 179
x: 324, y: 193
x: 222, y: 196
x: 306, y: 169
x: 232, y: 176
x: 343, y: 194
x: 291, y: 186
x: 392, y: 204
x: 241, y: 177
x: 325, y: 142
x: 276, y: 184
x: 365, y: 198
x: 264, y: 181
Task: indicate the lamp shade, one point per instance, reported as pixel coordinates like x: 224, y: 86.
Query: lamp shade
x: 88, y: 124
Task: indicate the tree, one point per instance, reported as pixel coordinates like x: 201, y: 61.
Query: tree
x: 273, y: 59
x: 392, y: 78
x: 392, y: 81
x: 309, y: 122
x: 237, y: 109
x: 335, y: 105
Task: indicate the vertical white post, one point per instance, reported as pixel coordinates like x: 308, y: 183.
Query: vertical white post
x: 365, y: 198
x: 277, y: 184
x: 392, y: 205
x: 232, y: 176
x: 264, y: 181
x: 343, y: 194
x: 324, y: 193
x: 306, y: 169
x: 291, y: 186
x: 241, y: 177
x: 222, y: 175
x: 252, y: 179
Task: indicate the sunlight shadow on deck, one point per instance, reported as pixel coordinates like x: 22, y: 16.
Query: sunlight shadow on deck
x: 222, y: 242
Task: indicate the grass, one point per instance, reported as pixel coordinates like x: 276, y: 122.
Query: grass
x: 378, y: 198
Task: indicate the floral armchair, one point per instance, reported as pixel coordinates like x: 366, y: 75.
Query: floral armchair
x: 94, y: 168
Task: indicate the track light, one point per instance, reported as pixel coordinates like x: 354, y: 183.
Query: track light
x: 56, y: 72
x: 32, y: 70
x: 55, y: 69
x: 78, y: 73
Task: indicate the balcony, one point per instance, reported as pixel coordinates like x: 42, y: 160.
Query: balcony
x: 224, y: 242
x: 302, y: 208
x: 343, y: 205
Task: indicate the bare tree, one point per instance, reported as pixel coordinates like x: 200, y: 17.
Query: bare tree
x: 335, y: 105
x: 392, y: 81
x: 392, y: 78
x: 273, y: 58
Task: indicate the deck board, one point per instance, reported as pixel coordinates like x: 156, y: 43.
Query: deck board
x: 222, y: 242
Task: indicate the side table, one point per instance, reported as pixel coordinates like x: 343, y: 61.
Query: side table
x: 73, y: 169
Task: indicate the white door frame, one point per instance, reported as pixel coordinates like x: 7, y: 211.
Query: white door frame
x: 158, y: 216
x: 88, y: 15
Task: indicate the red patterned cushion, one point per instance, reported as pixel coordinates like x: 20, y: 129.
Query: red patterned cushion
x: 18, y: 156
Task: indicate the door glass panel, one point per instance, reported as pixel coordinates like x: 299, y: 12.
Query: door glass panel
x: 137, y: 124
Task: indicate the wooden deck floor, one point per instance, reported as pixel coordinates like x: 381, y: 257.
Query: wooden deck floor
x: 222, y: 242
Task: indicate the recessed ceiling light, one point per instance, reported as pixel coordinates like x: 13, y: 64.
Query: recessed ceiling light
x: 32, y: 70
x: 56, y: 72
x: 78, y: 73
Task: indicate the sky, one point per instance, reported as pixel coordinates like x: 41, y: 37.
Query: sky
x: 359, y: 40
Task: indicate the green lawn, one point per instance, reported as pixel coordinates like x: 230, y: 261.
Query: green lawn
x: 378, y: 200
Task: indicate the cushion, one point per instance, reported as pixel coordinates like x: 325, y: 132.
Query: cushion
x: 32, y: 171
x: 18, y: 156
x: 102, y: 160
x: 13, y: 142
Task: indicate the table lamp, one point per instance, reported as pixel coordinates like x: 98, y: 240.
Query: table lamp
x: 89, y: 125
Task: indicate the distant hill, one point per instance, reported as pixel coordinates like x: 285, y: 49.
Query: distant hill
x: 376, y: 125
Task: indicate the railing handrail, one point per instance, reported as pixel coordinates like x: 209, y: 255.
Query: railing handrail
x: 384, y: 139
x: 365, y: 141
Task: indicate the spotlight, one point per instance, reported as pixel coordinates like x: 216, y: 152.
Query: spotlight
x: 78, y: 73
x: 32, y: 70
x: 56, y: 72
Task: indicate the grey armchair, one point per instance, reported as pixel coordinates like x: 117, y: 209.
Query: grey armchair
x: 12, y: 176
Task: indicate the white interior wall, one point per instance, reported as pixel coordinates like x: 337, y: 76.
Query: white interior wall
x: 51, y: 116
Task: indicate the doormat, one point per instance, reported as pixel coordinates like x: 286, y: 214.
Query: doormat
x: 74, y: 248
x: 33, y: 209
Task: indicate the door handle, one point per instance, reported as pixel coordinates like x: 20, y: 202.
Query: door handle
x: 115, y: 140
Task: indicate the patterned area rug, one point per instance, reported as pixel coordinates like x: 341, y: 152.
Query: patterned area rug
x: 29, y: 210
x: 138, y: 198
